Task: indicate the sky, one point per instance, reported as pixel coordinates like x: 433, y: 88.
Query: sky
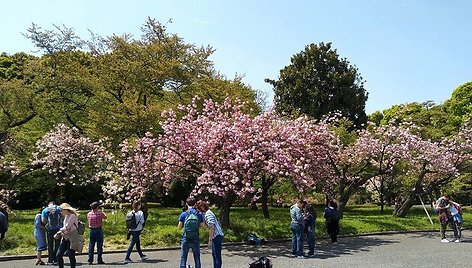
x: 407, y: 51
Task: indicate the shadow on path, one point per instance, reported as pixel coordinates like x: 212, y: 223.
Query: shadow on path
x: 324, y: 249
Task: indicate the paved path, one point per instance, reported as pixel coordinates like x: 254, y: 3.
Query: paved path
x: 396, y: 250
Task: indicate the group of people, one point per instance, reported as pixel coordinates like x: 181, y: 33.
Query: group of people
x: 194, y: 215
x: 449, y: 213
x: 303, y: 216
x: 56, y: 229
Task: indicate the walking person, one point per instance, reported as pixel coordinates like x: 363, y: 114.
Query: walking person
x: 215, y: 232
x: 40, y: 237
x: 69, y: 235
x: 136, y: 217
x: 52, y: 218
x: 95, y: 218
x: 442, y: 207
x: 3, y: 223
x: 310, y: 219
x: 332, y: 216
x: 190, y: 221
x: 297, y: 228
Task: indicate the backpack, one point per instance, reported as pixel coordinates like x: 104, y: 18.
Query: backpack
x: 191, y: 225
x: 131, y: 222
x: 80, y: 227
x: 262, y: 262
x: 54, y: 219
x: 255, y: 240
x: 337, y: 215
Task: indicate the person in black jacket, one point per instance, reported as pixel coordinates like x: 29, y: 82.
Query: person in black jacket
x: 332, y: 216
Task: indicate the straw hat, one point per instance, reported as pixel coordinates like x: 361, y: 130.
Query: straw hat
x: 67, y: 207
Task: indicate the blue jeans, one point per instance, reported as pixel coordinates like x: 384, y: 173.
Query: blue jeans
x: 96, y: 235
x: 311, y: 242
x: 297, y: 239
x: 53, y: 245
x: 216, y: 244
x: 186, y: 246
x: 63, y: 247
x: 134, y: 240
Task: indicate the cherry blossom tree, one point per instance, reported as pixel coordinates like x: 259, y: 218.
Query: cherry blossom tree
x: 72, y: 158
x: 433, y: 164
x: 7, y: 169
x: 226, y: 150
x: 375, y: 153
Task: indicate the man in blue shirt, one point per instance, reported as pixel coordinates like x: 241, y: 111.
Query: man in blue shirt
x: 296, y: 225
x: 190, y: 220
x: 51, y: 216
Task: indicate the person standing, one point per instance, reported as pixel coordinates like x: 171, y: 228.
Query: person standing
x: 40, y: 236
x: 136, y: 233
x: 215, y: 232
x: 51, y: 217
x: 332, y: 216
x: 190, y: 220
x: 95, y: 218
x: 69, y: 235
x: 310, y: 219
x: 456, y: 214
x: 3, y: 223
x: 443, y: 205
x: 296, y: 226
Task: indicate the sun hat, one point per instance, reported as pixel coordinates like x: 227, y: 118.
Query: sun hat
x: 67, y: 207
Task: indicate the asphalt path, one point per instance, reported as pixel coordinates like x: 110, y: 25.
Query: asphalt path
x: 422, y: 249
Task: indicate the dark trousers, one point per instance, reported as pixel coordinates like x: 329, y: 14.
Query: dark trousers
x: 63, y: 248
x: 96, y: 236
x: 53, y: 245
x: 333, y: 230
x: 451, y: 222
x: 216, y: 244
x: 310, y: 236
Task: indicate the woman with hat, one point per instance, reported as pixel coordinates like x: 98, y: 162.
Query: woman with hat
x: 69, y: 234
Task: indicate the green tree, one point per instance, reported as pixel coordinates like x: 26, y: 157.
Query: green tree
x: 318, y: 82
x: 460, y: 103
x: 433, y: 121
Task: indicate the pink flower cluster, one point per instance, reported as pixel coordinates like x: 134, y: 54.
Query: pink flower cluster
x: 70, y: 157
x: 226, y: 150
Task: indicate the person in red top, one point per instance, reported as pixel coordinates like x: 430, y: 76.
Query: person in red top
x: 95, y: 218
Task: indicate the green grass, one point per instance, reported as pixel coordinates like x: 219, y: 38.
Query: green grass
x: 161, y: 228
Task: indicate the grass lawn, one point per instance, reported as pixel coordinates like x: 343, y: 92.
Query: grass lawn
x: 161, y: 228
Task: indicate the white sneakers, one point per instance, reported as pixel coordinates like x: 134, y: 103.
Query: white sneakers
x: 444, y: 240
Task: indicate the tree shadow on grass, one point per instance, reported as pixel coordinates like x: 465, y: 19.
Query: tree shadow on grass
x: 324, y: 248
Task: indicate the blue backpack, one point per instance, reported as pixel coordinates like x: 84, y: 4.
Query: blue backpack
x: 191, y: 226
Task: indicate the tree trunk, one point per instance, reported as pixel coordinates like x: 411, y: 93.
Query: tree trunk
x: 344, y: 193
x: 382, y: 195
x: 226, y: 203
x: 266, y: 184
x: 410, y: 199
